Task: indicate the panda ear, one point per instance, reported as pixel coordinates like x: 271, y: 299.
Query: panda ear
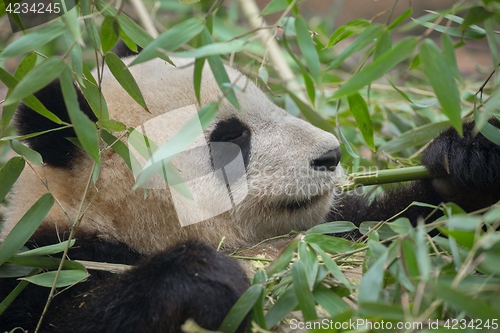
x: 55, y: 148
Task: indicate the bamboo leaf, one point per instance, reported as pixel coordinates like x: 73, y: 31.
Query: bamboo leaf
x: 40, y: 76
x: 85, y: 129
x: 31, y: 101
x: 9, y: 174
x: 365, y: 38
x: 33, y: 40
x: 443, y: 83
x: 283, y: 306
x: 307, y: 48
x: 241, y: 308
x: 378, y: 67
x: 110, y: 30
x: 303, y: 291
x: 26, y: 226
x: 131, y: 29
x: 371, y: 284
x: 171, y: 39
x: 125, y: 78
x: 26, y: 65
x: 31, y: 155
x: 359, y: 110
x: 48, y: 249
x: 213, y: 49
x: 65, y: 278
x: 275, y: 6
x: 347, y: 30
x: 332, y: 228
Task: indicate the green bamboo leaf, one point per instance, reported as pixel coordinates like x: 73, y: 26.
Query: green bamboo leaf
x: 31, y: 155
x: 359, y: 110
x: 307, y: 48
x: 275, y: 6
x: 303, y: 291
x: 125, y: 78
x: 283, y: 260
x: 372, y: 282
x: 40, y: 76
x: 9, y: 174
x: 65, y: 278
x: 415, y: 137
x: 311, y: 115
x: 329, y: 300
x: 407, y: 13
x: 438, y: 72
x: 331, y: 244
x: 93, y: 95
x: 85, y: 129
x: 409, y: 258
x: 197, y: 75
x: 110, y: 30
x: 219, y: 71
x: 26, y: 226
x: 188, y: 2
x: 213, y: 49
x: 131, y: 29
x: 365, y: 38
x: 171, y: 39
x: 347, y: 146
x: 241, y: 308
x: 352, y: 28
x: 283, y: 306
x: 25, y: 66
x: 17, y: 290
x: 308, y: 81
x: 475, y: 15
x: 332, y: 266
x: 383, y: 44
x: 473, y: 306
x: 33, y: 40
x: 121, y: 149
x: 310, y: 261
x: 44, y: 262
x: 31, y: 101
x: 378, y: 67
x: 76, y: 55
x: 72, y: 24
x: 48, y: 249
x: 86, y: 6
x: 332, y: 228
x: 449, y: 55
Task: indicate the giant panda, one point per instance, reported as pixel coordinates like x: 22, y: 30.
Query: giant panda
x: 283, y: 177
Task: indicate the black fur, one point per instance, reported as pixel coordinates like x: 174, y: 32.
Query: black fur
x: 55, y: 149
x: 233, y: 131
x: 122, y: 50
x: 190, y: 280
x: 464, y: 170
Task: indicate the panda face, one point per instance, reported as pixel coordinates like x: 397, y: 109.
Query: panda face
x: 281, y: 178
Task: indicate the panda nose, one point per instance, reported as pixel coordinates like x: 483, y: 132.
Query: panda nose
x: 328, y: 161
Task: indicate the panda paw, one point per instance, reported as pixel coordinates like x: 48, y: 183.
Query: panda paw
x: 465, y: 170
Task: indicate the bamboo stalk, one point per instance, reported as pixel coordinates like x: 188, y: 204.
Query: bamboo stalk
x: 385, y: 176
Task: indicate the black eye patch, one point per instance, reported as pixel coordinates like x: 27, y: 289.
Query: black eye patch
x: 234, y: 131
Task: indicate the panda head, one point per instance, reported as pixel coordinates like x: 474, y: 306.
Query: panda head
x: 252, y: 173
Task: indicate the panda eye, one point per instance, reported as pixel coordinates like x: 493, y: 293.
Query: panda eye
x: 231, y: 130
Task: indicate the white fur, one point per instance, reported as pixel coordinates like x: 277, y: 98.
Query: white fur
x: 279, y: 172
